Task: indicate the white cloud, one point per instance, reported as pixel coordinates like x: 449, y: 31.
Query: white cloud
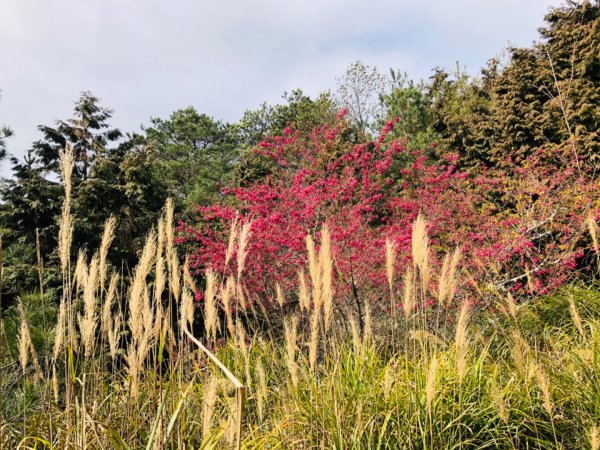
x: 148, y: 57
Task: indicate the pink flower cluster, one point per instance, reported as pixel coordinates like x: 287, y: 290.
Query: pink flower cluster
x: 520, y: 227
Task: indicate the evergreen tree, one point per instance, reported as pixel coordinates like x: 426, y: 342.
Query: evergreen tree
x: 550, y: 94
x: 194, y: 155
x: 30, y: 204
x: 88, y: 133
x: 410, y: 103
x: 460, y: 114
x: 300, y: 113
x: 121, y: 183
x: 108, y: 180
x: 544, y: 96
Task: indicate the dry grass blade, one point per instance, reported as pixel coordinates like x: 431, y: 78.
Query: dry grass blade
x: 431, y: 382
x: 279, y: 295
x: 390, y: 259
x: 511, y: 306
x: 137, y: 296
x: 210, y: 399
x: 521, y: 354
x: 60, y: 333
x: 227, y: 298
x: 368, y: 331
x: 314, y: 338
x: 107, y: 238
x: 408, y: 297
x: 88, y: 322
x: 420, y: 251
x: 262, y: 390
x: 593, y: 229
x: 242, y: 253
x: 461, y: 341
x: 354, y: 329
x: 291, y: 337
x: 303, y: 295
x: 65, y: 231
x: 448, y: 279
x: 111, y: 295
x: 575, y: 316
x: 326, y: 270
x: 233, y: 233
x: 186, y: 309
x: 498, y: 399
x: 81, y: 271
x: 25, y: 344
x: 544, y: 387
x: 114, y: 335
x: 211, y: 319
x: 594, y: 438
x: 314, y: 271
x: 187, y: 276
x: 24, y: 339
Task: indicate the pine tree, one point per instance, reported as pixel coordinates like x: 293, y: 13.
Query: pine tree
x: 88, y: 133
x: 194, y: 155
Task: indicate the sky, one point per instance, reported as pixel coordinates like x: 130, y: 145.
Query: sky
x: 147, y: 58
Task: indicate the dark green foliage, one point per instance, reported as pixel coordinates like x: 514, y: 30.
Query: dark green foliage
x: 410, y: 102
x: 88, y: 133
x: 41, y: 317
x: 120, y: 184
x: 32, y: 199
x: 5, y: 132
x: 300, y: 113
x: 546, y: 95
x: 109, y: 179
x: 460, y: 112
x: 194, y: 155
x: 30, y: 205
x: 21, y: 398
x: 30, y: 202
x: 550, y: 94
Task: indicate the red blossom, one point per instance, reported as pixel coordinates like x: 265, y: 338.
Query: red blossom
x: 521, y: 218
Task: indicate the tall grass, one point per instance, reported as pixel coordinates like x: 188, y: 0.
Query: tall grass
x: 120, y: 370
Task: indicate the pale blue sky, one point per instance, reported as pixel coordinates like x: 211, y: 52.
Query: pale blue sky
x: 146, y: 58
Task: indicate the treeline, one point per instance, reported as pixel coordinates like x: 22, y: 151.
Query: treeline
x: 542, y: 97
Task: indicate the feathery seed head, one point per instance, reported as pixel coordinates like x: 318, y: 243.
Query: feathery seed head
x: 420, y: 250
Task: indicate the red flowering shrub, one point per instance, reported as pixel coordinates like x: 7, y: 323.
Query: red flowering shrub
x: 519, y: 230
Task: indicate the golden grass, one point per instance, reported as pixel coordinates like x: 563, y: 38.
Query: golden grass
x: 420, y: 251
x: 243, y: 241
x: 593, y: 229
x: 65, y: 234
x: 594, y: 438
x: 291, y: 338
x: 461, y: 341
x: 211, y: 323
x: 390, y: 259
x: 448, y: 283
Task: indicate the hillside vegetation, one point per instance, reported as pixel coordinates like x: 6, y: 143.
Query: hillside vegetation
x: 398, y: 264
